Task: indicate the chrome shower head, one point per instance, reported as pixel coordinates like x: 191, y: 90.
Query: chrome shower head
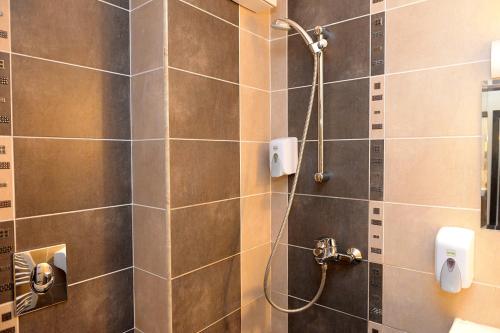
x: 287, y: 24
x: 281, y: 25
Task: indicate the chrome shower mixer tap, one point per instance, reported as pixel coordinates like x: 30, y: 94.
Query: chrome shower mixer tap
x: 325, y: 251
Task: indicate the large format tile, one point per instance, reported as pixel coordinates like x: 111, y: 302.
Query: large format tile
x: 150, y: 240
x: 202, y: 108
x: 147, y: 105
x: 346, y: 111
x: 74, y: 102
x: 149, y: 173
x: 229, y: 324
x: 437, y: 102
x: 322, y: 320
x: 347, y: 161
x: 255, y: 221
x: 258, y: 23
x: 226, y: 10
x: 107, y: 233
x: 146, y: 37
x: 151, y: 302
x: 278, y: 64
x: 346, y: 57
x: 440, y: 172
x: 204, y: 296
x: 418, y: 37
x: 122, y: 3
x: 255, y: 174
x: 407, y: 293
x: 63, y: 175
x: 254, y: 61
x: 323, y: 12
x: 256, y: 317
x: 253, y: 265
x: 72, y: 31
x: 216, y: 51
x: 216, y: 226
x: 346, y: 287
x: 279, y: 114
x: 203, y: 171
x: 105, y: 304
x: 254, y: 113
x: 314, y: 217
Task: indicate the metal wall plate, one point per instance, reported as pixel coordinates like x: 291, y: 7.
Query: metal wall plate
x: 39, y: 278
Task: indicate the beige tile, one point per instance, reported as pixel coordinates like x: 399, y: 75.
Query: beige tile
x: 254, y: 61
x: 418, y: 36
x: 5, y: 25
x: 256, y: 317
x: 279, y: 114
x: 254, y: 114
x: 151, y: 302
x: 410, y: 296
x: 280, y: 11
x: 258, y: 23
x: 255, y: 221
x: 279, y: 320
x: 278, y: 208
x: 435, y: 102
x: 441, y: 172
x: 397, y: 3
x: 487, y: 267
x: 254, y: 168
x: 279, y: 270
x: 253, y: 265
x: 279, y: 64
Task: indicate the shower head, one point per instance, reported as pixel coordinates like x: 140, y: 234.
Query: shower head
x: 287, y: 24
x: 281, y: 25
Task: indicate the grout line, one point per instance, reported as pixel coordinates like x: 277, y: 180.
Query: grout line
x: 217, y: 140
x: 113, y: 5
x: 205, y: 266
x: 435, y: 137
x: 151, y: 207
x: 150, y: 273
x: 432, y: 206
x: 131, y: 129
x: 100, y: 276
x: 406, y: 5
x: 329, y: 308
x: 325, y: 83
x: 146, y: 140
x: 69, y: 64
x: 439, y: 66
x: 135, y: 328
x: 140, y: 6
x: 222, y: 200
x: 144, y: 72
x: 66, y: 138
x: 11, y: 138
x: 72, y: 211
x: 215, y: 322
x: 322, y: 196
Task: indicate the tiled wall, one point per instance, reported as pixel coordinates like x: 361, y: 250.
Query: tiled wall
x: 402, y: 104
x: 69, y: 131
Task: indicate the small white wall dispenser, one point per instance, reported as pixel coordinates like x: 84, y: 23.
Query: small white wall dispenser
x: 283, y: 156
x: 495, y: 59
x: 454, y: 264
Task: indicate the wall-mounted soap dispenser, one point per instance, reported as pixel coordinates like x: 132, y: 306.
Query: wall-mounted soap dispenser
x: 283, y: 156
x: 454, y: 264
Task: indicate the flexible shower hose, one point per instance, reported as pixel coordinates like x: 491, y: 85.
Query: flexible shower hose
x: 289, y: 208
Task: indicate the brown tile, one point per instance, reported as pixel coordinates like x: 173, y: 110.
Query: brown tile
x: 149, y: 173
x: 101, y: 305
x: 213, y: 114
x: 280, y: 11
x: 147, y: 37
x: 150, y: 240
x: 256, y: 317
x: 255, y: 114
x: 258, y: 23
x: 200, y: 169
x: 224, y: 9
x: 136, y: 3
x: 253, y: 265
x: 254, y: 61
x: 418, y: 37
x: 278, y: 64
x: 254, y: 168
x: 279, y: 114
x: 204, y: 296
x: 439, y: 172
x: 279, y: 270
x: 215, y: 54
x: 229, y: 324
x: 437, y: 102
x: 64, y: 175
x: 255, y: 221
x: 216, y: 225
x: 78, y: 33
x: 107, y: 233
x: 147, y: 108
x: 122, y: 3
x: 69, y: 93
x: 279, y: 320
x: 151, y: 302
x: 279, y: 203
x: 408, y: 292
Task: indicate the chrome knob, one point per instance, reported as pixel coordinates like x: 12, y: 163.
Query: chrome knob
x: 42, y: 278
x: 355, y: 254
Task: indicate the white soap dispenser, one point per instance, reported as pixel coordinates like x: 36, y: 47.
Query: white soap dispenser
x: 454, y: 264
x: 283, y: 156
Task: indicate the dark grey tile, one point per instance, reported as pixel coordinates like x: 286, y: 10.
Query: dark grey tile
x: 229, y: 324
x: 376, y: 292
x: 151, y: 302
x: 346, y: 287
x: 100, y: 305
x: 377, y: 170
x: 150, y: 240
x: 106, y: 233
x: 314, y: 217
x: 122, y: 3
x: 378, y: 44
x: 147, y: 37
x: 216, y: 52
x: 203, y: 171
x: 52, y: 99
x: 216, y: 225
x: 149, y: 173
x: 5, y: 100
x: 7, y: 246
x: 213, y: 114
x: 147, y: 104
x: 346, y: 57
x: 227, y: 10
x: 64, y: 175
x: 202, y: 297
x: 135, y: 3
x: 91, y: 34
x: 346, y: 111
x: 312, y: 13
x: 322, y: 320
x: 347, y: 161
